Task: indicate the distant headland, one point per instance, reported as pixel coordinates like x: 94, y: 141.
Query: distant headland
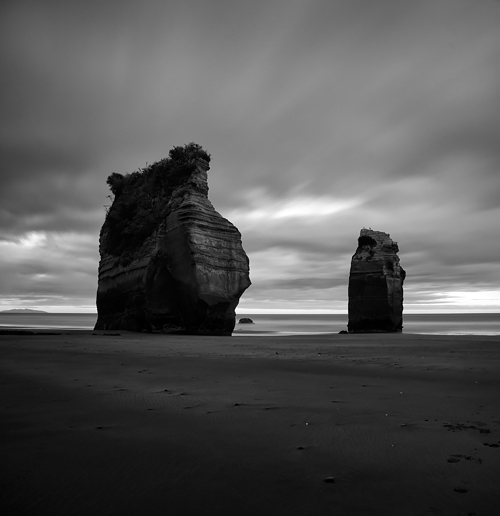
x: 23, y: 311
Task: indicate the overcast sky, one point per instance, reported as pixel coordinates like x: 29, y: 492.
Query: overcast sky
x: 322, y: 117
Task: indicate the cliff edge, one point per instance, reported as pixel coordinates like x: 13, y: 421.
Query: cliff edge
x: 169, y: 262
x: 375, y: 285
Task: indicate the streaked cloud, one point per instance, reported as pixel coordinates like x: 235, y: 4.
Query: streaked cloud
x: 322, y: 116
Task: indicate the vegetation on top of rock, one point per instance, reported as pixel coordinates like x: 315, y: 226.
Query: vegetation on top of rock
x: 366, y: 240
x: 140, y: 198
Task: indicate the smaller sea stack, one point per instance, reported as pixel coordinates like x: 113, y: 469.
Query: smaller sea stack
x: 375, y: 285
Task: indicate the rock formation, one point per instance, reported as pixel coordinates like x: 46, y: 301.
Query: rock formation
x: 375, y: 285
x: 169, y: 262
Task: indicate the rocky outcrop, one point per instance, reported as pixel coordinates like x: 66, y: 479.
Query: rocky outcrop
x: 375, y: 285
x: 169, y: 262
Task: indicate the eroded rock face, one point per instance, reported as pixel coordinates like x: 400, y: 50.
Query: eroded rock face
x: 169, y: 261
x: 375, y: 285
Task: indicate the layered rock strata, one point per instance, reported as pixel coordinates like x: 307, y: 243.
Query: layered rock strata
x: 169, y: 262
x: 375, y: 285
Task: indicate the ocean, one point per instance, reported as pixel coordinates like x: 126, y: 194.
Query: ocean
x: 434, y: 324
x: 283, y: 324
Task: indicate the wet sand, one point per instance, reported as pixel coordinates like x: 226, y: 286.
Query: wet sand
x: 137, y: 424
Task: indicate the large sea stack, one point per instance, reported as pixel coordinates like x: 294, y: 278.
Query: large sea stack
x: 169, y: 262
x: 375, y: 285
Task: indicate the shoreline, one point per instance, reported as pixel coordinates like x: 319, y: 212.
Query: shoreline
x: 95, y: 422
x: 40, y: 331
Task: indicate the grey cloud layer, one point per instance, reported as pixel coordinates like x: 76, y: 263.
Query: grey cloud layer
x: 392, y: 104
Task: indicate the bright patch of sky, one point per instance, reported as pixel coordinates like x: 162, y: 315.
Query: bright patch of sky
x: 322, y: 117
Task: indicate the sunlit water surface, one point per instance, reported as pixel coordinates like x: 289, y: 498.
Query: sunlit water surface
x: 284, y: 324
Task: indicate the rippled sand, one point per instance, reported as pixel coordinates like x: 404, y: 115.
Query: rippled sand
x: 137, y: 424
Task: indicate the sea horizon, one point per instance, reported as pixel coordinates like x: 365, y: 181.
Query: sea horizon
x: 281, y: 324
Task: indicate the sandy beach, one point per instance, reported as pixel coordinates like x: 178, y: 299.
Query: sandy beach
x: 141, y: 424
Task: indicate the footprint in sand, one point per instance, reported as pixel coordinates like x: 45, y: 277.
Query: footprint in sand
x: 456, y: 458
